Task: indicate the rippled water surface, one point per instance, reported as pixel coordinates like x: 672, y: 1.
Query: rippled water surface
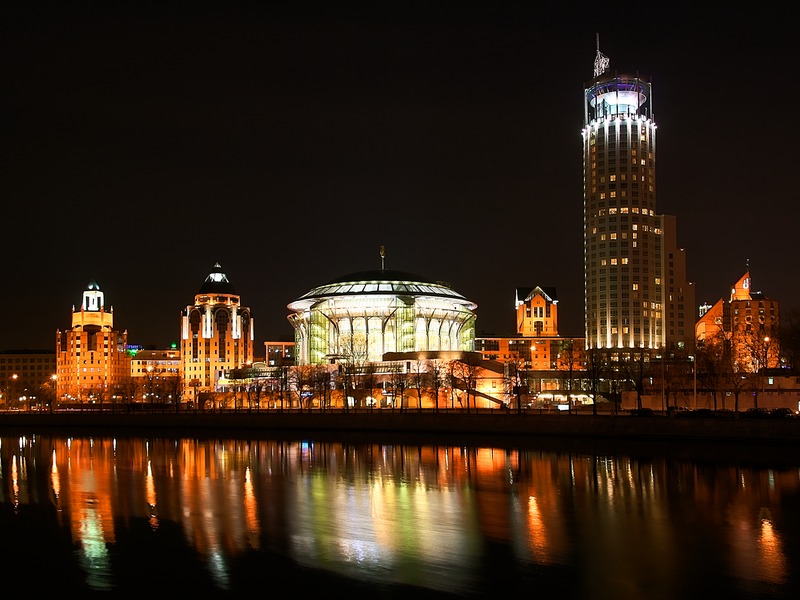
x: 209, y: 516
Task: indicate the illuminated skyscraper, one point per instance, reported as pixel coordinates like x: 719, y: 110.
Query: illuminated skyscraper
x: 623, y: 236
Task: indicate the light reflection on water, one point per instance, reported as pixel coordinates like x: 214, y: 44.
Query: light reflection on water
x: 188, y: 514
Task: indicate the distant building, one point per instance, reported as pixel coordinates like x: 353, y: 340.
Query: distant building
x: 156, y: 375
x: 749, y: 320
x: 91, y: 356
x: 279, y: 353
x: 217, y: 335
x: 538, y: 356
x: 27, y: 378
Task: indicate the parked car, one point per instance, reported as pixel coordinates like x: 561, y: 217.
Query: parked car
x: 756, y: 413
x: 701, y: 413
x: 642, y: 412
x: 781, y: 413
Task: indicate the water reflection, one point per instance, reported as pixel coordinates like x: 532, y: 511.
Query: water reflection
x: 188, y: 514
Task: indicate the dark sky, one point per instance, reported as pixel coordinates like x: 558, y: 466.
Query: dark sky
x: 141, y: 147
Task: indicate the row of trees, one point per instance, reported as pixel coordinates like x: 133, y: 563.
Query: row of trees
x: 427, y: 383
x: 734, y: 363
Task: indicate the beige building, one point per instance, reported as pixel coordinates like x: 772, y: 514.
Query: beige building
x: 156, y: 376
x: 91, y: 357
x: 217, y: 335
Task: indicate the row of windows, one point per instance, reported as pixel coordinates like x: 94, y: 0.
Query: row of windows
x: 16, y: 360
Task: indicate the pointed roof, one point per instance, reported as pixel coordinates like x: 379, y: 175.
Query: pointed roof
x: 217, y: 283
x: 524, y: 294
x: 741, y: 289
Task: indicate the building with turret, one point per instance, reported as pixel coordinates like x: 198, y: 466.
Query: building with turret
x: 217, y: 335
x: 91, y: 357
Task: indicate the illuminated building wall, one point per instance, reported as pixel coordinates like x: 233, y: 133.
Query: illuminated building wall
x: 749, y: 320
x: 623, y: 262
x: 537, y: 312
x: 217, y: 335
x: 360, y: 317
x: 91, y: 357
x: 157, y: 375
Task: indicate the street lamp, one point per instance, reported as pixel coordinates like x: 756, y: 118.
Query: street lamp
x: 150, y: 380
x: 51, y: 383
x: 694, y: 377
x: 14, y: 378
x: 765, y: 364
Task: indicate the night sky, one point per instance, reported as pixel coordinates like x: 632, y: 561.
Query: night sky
x: 141, y: 147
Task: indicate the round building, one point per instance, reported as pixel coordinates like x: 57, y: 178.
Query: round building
x: 362, y: 316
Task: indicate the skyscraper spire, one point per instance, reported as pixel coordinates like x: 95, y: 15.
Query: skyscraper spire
x: 601, y: 61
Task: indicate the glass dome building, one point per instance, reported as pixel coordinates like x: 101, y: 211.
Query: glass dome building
x: 360, y: 317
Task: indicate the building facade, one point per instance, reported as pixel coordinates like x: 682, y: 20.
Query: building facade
x: 547, y: 366
x: 679, y: 302
x: 360, y: 317
x: 623, y: 237
x: 750, y: 321
x: 28, y: 379
x: 155, y: 376
x: 217, y: 335
x: 91, y: 357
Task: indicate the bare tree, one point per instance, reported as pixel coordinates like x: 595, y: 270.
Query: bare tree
x: 596, y: 367
x: 172, y: 386
x: 789, y: 339
x: 514, y: 372
x: 437, y: 380
x: 569, y: 358
x: 369, y: 381
x: 322, y: 380
x: 638, y: 371
x: 398, y: 379
x: 419, y: 378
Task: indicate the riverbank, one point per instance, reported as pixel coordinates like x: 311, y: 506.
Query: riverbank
x: 493, y: 423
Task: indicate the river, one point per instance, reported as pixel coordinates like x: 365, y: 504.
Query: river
x: 351, y: 516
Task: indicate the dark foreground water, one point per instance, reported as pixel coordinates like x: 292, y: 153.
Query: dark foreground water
x: 356, y: 518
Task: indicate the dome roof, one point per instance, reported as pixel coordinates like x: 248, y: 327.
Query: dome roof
x: 382, y: 282
x: 217, y: 283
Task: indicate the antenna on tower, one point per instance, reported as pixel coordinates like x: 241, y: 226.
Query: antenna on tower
x: 601, y: 61
x: 383, y: 256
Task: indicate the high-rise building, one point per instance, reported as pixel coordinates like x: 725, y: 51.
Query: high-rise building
x: 625, y: 249
x: 91, y: 357
x: 217, y: 335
